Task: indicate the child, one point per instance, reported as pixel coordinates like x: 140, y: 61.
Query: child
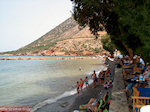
x: 86, y: 82
x: 81, y: 83
x: 77, y: 86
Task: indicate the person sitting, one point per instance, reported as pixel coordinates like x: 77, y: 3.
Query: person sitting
x: 105, y: 103
x: 108, y: 83
x: 129, y: 86
x: 91, y: 102
x: 147, y: 75
x: 119, y: 62
x: 108, y: 71
x: 125, y: 61
x: 92, y: 105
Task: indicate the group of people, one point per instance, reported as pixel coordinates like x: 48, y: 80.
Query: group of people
x: 97, y: 104
x: 104, y: 78
x: 136, y: 66
x: 79, y: 85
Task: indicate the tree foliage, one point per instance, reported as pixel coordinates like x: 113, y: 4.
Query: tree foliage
x: 107, y: 44
x: 126, y: 21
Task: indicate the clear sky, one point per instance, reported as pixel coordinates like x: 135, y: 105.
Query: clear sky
x: 23, y: 21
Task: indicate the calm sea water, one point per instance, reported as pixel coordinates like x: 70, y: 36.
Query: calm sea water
x: 29, y: 82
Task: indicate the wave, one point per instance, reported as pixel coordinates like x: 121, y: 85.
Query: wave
x: 65, y: 94
x: 52, y: 100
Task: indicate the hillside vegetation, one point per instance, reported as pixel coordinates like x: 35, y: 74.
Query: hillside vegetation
x: 66, y: 39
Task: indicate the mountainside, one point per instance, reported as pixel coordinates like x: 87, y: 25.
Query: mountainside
x: 66, y: 39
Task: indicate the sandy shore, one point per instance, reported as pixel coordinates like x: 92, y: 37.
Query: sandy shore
x: 68, y: 104
x: 35, y: 58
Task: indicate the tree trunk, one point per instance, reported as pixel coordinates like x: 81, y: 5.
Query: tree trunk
x: 130, y: 51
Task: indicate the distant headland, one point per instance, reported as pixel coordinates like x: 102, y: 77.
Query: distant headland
x: 67, y: 39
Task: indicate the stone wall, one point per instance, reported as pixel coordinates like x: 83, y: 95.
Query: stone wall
x: 118, y: 98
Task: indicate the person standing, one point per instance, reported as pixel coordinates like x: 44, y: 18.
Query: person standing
x: 77, y: 86
x: 94, y: 77
x: 86, y: 82
x: 101, y: 77
x: 147, y: 75
x: 81, y: 83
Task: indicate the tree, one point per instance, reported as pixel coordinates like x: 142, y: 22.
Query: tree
x: 134, y: 19
x: 120, y: 18
x: 107, y: 44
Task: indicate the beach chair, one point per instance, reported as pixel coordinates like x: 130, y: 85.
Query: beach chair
x: 126, y: 66
x: 126, y: 69
x: 137, y: 70
x: 141, y: 97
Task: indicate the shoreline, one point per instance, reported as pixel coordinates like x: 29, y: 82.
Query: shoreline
x: 59, y: 58
x: 70, y: 103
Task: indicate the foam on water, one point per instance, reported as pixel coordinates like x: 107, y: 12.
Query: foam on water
x: 49, y: 101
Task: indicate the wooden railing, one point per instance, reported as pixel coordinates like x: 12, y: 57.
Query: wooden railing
x: 139, y: 102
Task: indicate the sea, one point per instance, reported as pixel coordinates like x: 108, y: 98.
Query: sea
x: 35, y: 83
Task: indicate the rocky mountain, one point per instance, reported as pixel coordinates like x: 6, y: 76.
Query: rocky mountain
x: 66, y: 39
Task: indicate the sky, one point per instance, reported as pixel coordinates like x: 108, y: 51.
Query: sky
x: 24, y: 21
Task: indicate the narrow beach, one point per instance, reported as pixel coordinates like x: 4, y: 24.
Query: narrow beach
x: 68, y: 104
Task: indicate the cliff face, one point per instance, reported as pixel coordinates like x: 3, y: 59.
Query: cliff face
x: 65, y: 39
